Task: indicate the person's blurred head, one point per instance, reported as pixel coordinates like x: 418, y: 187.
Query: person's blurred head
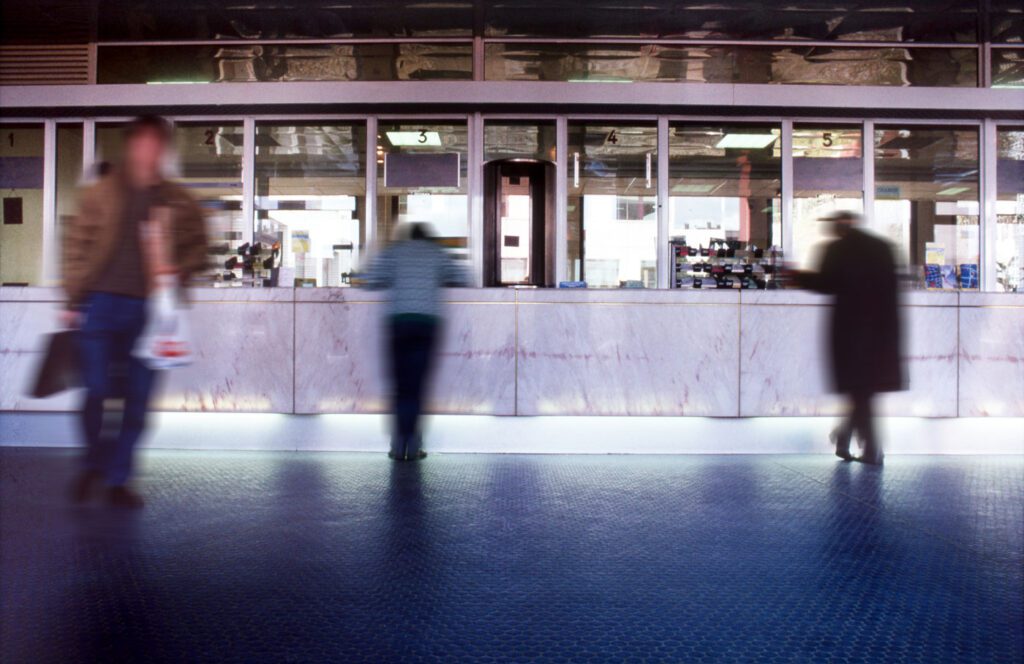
x: 146, y: 140
x: 841, y: 221
x: 413, y: 230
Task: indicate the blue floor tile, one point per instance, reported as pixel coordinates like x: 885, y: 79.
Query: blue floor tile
x: 285, y: 557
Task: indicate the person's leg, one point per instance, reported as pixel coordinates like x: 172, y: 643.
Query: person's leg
x: 138, y: 387
x: 402, y: 407
x: 420, y: 361
x: 864, y: 424
x: 844, y: 432
x: 95, y: 344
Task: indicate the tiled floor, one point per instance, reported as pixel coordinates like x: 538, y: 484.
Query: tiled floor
x: 284, y: 557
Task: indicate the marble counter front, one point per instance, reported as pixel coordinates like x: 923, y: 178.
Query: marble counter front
x: 554, y: 352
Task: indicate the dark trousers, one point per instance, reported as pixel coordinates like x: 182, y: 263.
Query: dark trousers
x: 412, y: 351
x: 111, y: 327
x: 860, y: 421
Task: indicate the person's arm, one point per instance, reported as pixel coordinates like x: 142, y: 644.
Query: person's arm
x: 77, y: 245
x: 190, y: 240
x: 453, y: 275
x: 378, y: 276
x: 822, y: 280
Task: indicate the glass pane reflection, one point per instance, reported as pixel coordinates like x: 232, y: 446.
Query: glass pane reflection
x: 1010, y: 210
x: 612, y: 206
x: 311, y: 201
x: 926, y: 201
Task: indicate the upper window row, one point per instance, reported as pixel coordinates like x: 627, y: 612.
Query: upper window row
x: 906, y: 21
x: 573, y: 62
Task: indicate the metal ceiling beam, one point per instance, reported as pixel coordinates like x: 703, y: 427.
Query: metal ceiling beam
x: 613, y: 98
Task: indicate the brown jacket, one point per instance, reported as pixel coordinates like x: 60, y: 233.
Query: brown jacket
x: 91, y: 236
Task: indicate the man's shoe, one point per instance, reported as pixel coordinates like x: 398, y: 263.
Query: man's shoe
x: 842, y: 450
x: 415, y: 456
x: 872, y: 459
x: 122, y: 496
x: 82, y: 486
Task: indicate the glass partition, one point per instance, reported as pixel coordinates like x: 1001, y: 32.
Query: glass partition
x: 422, y: 171
x: 828, y: 175
x: 725, y: 184
x: 612, y: 206
x: 21, y: 228
x: 1009, y: 258
x: 69, y: 173
x: 311, y: 200
x: 926, y: 201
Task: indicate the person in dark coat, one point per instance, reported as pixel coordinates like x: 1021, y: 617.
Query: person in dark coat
x: 858, y: 269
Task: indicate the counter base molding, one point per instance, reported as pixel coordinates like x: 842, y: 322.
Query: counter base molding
x: 534, y: 435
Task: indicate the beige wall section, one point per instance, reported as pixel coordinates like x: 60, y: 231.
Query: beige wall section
x: 21, y: 245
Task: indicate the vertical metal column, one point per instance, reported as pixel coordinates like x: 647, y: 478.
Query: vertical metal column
x: 49, y: 268
x: 663, y: 256
x: 787, y: 191
x: 88, y: 147
x: 479, y: 61
x: 561, y: 199
x: 989, y: 196
x: 248, y: 179
x: 476, y: 198
x: 371, y: 185
x: 867, y: 153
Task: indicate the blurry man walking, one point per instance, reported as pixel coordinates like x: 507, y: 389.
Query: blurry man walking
x: 414, y: 268
x: 859, y: 271
x: 108, y: 270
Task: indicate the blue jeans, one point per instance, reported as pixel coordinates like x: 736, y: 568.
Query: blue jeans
x: 112, y: 325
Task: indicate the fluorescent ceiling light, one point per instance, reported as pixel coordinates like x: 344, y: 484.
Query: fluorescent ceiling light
x: 414, y: 138
x: 693, y: 188
x: 176, y: 82
x: 953, y: 191
x: 752, y: 141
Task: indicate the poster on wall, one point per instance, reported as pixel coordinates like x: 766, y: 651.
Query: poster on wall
x: 300, y: 242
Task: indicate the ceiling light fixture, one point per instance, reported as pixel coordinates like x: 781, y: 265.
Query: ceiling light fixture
x: 414, y: 138
x: 751, y: 141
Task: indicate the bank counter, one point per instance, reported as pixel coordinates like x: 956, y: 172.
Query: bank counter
x: 532, y: 352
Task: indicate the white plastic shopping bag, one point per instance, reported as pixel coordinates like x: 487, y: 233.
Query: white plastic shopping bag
x: 165, y: 342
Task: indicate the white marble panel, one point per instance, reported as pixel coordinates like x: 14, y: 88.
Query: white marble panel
x: 785, y: 365
x: 24, y: 327
x: 992, y: 361
x: 241, y: 294
x: 628, y: 359
x: 782, y: 367
x: 340, y: 359
x: 243, y: 360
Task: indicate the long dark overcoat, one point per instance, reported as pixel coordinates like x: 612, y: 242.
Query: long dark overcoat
x: 859, y: 271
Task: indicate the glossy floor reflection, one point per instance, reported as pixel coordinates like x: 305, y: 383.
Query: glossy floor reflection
x: 285, y: 557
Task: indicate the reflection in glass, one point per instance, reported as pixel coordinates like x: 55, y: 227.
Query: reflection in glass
x: 1006, y: 18
x: 828, y: 176
x: 21, y: 228
x: 238, y: 63
x: 519, y: 140
x: 810, y: 65
x: 311, y: 201
x: 436, y: 191
x: 911, y: 20
x: 725, y: 184
x: 1010, y: 210
x: 1008, y: 68
x: 612, y: 206
x: 926, y: 201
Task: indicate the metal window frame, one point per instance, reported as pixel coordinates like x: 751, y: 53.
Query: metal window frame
x: 475, y: 124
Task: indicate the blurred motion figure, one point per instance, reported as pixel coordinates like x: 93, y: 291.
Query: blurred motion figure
x: 413, y: 268
x: 859, y: 271
x: 108, y: 271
